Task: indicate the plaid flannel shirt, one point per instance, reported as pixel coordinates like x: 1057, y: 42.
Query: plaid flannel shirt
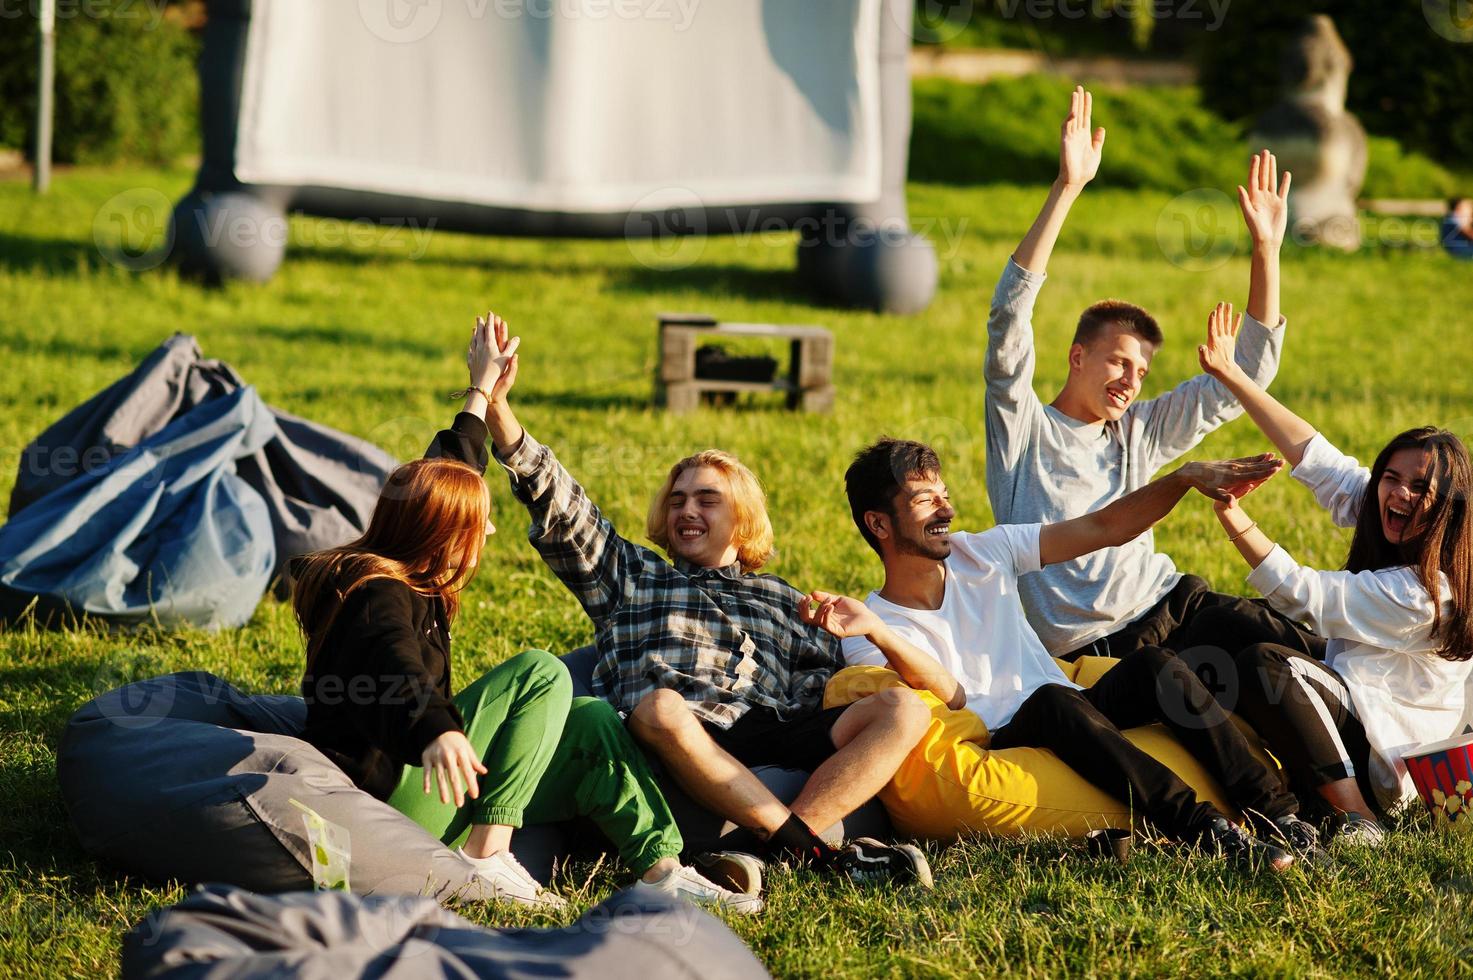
x: 726, y: 641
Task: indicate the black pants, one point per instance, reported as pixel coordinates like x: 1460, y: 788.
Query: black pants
x: 760, y: 738
x: 1280, y: 685
x: 1083, y: 728
x: 1168, y: 623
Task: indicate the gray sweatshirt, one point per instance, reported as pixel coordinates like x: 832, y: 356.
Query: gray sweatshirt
x: 1043, y: 467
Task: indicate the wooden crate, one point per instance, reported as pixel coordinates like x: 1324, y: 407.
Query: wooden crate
x: 808, y: 384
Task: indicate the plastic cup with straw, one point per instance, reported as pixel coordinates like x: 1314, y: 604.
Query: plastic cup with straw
x: 331, y: 850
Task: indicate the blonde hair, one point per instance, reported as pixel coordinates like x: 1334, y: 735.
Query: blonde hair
x: 753, y: 533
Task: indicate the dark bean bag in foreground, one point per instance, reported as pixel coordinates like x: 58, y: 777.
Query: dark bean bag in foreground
x: 183, y: 777
x: 228, y: 934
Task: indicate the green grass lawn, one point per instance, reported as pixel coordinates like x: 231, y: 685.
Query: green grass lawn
x: 371, y: 340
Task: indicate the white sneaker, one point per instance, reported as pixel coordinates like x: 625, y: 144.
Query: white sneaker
x: 1360, y: 831
x: 735, y: 871
x: 685, y: 883
x: 509, y: 881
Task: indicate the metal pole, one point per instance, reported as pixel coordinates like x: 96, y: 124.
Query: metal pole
x: 45, y: 85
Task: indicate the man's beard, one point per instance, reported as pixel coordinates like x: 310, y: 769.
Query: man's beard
x: 937, y: 549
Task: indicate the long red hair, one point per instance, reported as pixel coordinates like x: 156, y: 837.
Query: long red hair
x: 427, y: 531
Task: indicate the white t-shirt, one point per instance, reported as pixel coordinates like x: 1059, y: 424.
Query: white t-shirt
x: 980, y: 634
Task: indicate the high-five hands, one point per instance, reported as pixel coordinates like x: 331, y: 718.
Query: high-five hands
x: 1216, y: 356
x: 1080, y: 147
x: 1265, y: 201
x: 492, y: 356
x: 1230, y: 479
x: 838, y: 614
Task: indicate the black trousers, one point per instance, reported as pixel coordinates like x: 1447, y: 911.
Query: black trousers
x: 1280, y: 685
x: 1169, y: 622
x: 1083, y: 728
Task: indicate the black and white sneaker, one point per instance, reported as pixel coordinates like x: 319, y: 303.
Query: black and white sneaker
x: 1301, y: 836
x: 865, y: 860
x: 1226, y: 839
x: 1357, y: 830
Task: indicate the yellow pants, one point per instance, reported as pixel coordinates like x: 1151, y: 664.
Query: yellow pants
x: 951, y: 783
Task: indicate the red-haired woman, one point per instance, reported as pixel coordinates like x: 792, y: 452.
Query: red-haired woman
x: 513, y: 746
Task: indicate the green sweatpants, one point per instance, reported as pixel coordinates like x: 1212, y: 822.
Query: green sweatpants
x: 549, y: 757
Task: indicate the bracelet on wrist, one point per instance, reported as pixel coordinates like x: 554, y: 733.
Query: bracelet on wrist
x: 465, y: 392
x: 1234, y: 537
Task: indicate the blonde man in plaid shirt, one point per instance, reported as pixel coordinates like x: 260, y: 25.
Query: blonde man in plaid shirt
x: 715, y: 667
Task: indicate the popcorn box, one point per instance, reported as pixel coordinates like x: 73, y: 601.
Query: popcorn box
x: 1443, y: 775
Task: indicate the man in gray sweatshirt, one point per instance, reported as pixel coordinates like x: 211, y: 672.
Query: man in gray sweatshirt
x: 1095, y: 442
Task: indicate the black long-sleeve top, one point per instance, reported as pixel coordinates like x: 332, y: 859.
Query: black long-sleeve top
x: 379, y: 690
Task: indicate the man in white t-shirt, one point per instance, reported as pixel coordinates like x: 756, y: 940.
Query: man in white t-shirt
x: 949, y: 620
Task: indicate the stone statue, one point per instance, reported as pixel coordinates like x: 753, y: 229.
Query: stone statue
x: 1315, y: 138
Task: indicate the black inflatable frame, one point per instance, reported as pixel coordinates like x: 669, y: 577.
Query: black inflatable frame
x: 862, y: 255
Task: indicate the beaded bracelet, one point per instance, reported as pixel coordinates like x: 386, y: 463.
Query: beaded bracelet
x: 470, y: 388
x: 1245, y: 530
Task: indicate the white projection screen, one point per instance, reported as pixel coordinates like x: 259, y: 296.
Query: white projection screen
x: 591, y: 106
x: 568, y: 118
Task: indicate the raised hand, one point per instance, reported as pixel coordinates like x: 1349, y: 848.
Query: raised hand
x: 1216, y: 356
x: 1265, y: 201
x: 492, y: 356
x: 838, y: 614
x: 1224, y: 480
x: 1080, y: 146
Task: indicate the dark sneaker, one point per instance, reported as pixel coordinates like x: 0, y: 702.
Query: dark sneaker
x: 1228, y: 840
x: 1360, y: 831
x: 1301, y: 836
x: 733, y: 870
x: 865, y: 860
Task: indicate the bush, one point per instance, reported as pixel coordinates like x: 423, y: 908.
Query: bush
x: 1117, y: 28
x: 1409, y: 81
x: 1006, y: 131
x: 126, y: 87
x: 1393, y: 172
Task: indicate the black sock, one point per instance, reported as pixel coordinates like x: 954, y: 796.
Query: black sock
x: 794, y: 839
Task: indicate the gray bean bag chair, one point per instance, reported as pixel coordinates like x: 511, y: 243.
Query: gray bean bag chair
x: 184, y: 777
x: 228, y: 934
x: 167, y: 532
x: 316, y: 487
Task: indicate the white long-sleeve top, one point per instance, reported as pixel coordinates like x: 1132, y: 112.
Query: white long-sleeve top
x: 1379, y: 627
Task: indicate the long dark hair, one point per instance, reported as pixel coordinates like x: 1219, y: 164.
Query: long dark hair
x: 1445, y: 546
x: 427, y: 531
